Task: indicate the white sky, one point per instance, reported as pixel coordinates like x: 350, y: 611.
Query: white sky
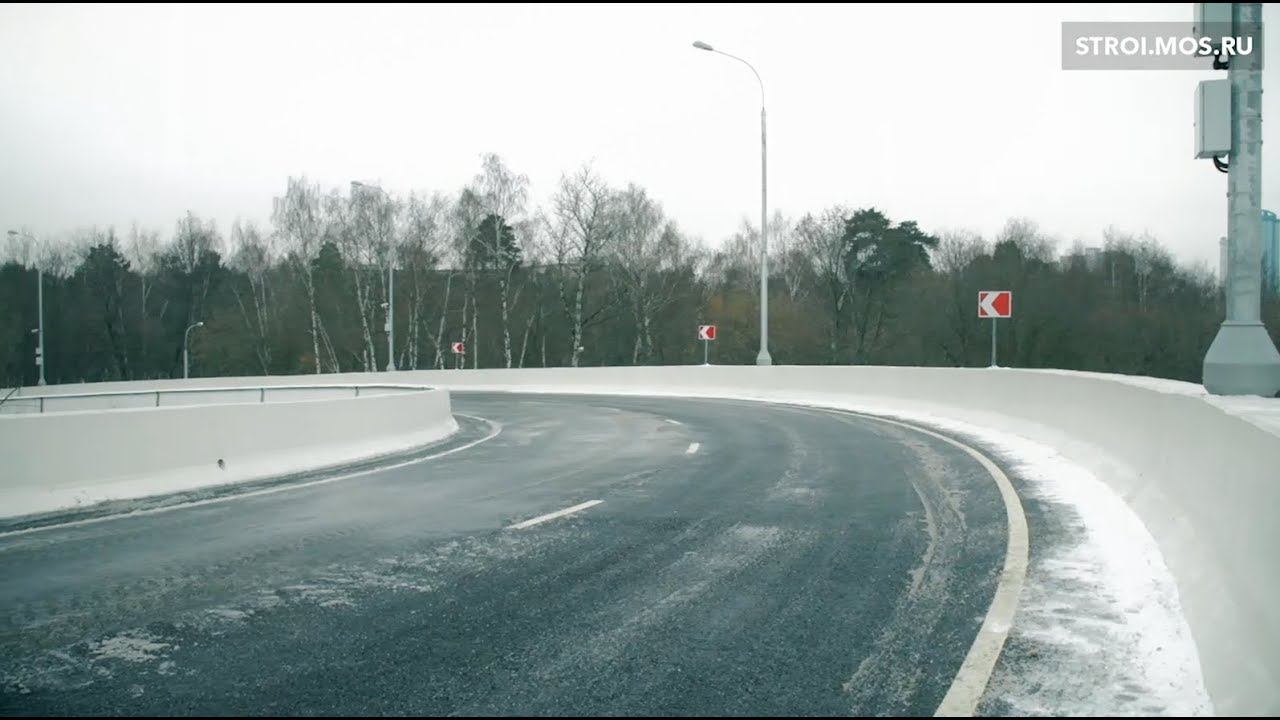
x: 955, y: 116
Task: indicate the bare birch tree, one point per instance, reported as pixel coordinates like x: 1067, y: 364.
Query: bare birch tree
x: 584, y: 220
x: 502, y: 195
x: 299, y: 226
x: 253, y: 256
x: 821, y: 238
x: 646, y: 256
x: 421, y: 244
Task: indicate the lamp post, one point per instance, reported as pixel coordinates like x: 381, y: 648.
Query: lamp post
x: 763, y: 357
x: 186, y: 362
x: 40, y: 311
x: 390, y: 305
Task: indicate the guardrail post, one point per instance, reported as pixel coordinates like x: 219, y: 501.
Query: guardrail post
x: 357, y: 391
x: 157, y: 398
x: 42, y: 404
x: 262, y: 394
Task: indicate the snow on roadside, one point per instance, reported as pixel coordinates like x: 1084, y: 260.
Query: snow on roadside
x: 1103, y: 604
x: 1104, y: 601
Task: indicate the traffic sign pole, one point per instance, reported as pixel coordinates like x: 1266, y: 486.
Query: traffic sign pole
x: 706, y: 333
x: 994, y: 304
x: 993, y: 342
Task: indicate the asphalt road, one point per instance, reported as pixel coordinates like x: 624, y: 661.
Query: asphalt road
x: 744, y: 559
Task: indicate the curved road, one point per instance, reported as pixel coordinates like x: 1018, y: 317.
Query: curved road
x: 743, y: 559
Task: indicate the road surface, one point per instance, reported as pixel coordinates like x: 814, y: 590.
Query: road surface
x: 728, y: 558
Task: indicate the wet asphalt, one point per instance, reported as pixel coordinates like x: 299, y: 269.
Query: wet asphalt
x: 746, y: 559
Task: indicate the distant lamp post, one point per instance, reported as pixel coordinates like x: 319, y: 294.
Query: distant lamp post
x: 39, y: 331
x: 763, y: 357
x: 186, y: 362
x: 390, y: 305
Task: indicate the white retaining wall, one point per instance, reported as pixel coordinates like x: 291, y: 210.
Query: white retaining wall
x: 58, y: 460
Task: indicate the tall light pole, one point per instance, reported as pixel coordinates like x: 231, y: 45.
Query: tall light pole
x: 390, y: 304
x: 186, y: 364
x: 40, y: 315
x: 762, y: 358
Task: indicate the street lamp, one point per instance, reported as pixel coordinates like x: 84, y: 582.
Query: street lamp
x: 763, y: 357
x: 186, y: 364
x: 39, y: 328
x: 390, y: 305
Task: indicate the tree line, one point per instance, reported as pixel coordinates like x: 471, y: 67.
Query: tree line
x: 600, y: 275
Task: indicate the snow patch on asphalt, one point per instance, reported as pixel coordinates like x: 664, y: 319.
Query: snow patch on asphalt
x: 137, y: 648
x: 344, y: 586
x: 83, y: 663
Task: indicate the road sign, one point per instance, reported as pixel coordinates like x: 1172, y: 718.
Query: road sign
x: 995, y: 303
x: 706, y: 333
x: 459, y: 348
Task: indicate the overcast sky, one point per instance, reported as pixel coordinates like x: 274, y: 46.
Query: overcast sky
x: 956, y: 116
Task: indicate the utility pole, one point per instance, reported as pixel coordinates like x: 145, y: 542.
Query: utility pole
x: 40, y: 327
x: 40, y: 315
x: 1242, y: 359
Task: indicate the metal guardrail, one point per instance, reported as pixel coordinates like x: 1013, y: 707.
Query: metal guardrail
x: 34, y: 404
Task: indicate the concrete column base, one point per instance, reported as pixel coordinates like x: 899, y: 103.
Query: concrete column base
x: 1242, y: 361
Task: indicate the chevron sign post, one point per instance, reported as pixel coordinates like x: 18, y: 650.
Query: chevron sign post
x: 995, y: 304
x: 706, y: 333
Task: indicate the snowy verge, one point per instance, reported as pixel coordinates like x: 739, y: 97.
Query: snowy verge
x: 65, y: 460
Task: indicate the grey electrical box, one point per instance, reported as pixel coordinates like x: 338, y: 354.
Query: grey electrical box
x: 1213, y: 118
x: 1213, y: 21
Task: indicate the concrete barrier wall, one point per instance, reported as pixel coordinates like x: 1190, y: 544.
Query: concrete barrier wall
x: 1205, y: 482
x: 63, y: 459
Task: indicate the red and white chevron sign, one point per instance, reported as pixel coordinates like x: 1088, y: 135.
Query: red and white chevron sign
x: 459, y: 348
x: 995, y: 303
x: 706, y: 332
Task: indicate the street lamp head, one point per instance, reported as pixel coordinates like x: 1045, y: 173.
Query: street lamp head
x: 701, y: 45
x: 200, y: 324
